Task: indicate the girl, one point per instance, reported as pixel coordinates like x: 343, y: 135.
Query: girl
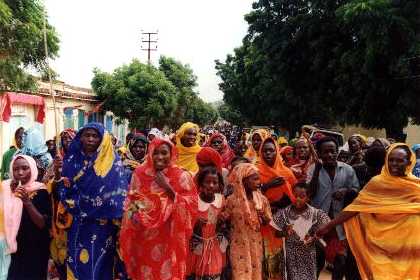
x: 297, y: 222
x: 208, y: 243
x: 27, y: 212
x: 247, y: 210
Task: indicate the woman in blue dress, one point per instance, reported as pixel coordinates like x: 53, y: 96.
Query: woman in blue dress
x: 92, y: 187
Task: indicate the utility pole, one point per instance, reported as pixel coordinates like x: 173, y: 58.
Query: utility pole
x: 150, y: 39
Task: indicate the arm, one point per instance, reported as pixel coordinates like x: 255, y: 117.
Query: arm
x: 340, y: 219
x: 37, y: 216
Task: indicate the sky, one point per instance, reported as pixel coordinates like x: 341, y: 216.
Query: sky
x: 107, y: 34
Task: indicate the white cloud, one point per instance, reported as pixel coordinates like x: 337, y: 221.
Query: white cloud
x: 107, y: 33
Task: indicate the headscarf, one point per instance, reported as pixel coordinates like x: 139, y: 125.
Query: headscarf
x: 161, y: 220
x: 384, y: 236
x: 251, y: 154
x: 96, y: 178
x: 384, y: 142
x: 156, y: 132
x: 415, y: 147
x: 282, y: 140
x: 130, y: 161
x: 208, y: 156
x: 268, y: 173
x: 33, y: 145
x: 187, y: 155
x: 240, y: 200
x: 13, y: 205
x: 71, y: 133
x: 227, y: 153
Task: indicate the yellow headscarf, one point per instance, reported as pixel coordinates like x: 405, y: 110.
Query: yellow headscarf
x: 251, y: 154
x: 385, y: 235
x: 187, y: 155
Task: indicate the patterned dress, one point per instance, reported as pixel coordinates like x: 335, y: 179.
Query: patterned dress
x: 300, y: 257
x: 207, y: 256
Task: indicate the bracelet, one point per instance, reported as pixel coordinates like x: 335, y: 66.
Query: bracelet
x: 58, y: 181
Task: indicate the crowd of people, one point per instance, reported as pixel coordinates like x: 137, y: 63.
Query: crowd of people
x: 208, y: 204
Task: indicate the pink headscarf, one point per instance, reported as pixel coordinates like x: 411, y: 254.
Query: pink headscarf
x: 13, y: 206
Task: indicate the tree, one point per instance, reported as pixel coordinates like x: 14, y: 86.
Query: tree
x: 137, y: 92
x: 148, y: 96
x: 231, y: 115
x: 324, y: 61
x: 22, y: 42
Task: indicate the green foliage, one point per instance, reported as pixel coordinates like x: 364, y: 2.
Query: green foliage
x: 324, y: 62
x: 22, y: 42
x: 231, y: 115
x: 150, y: 96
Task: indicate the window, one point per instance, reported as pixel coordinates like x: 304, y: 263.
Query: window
x: 81, y: 118
x: 68, y: 118
x: 108, y: 123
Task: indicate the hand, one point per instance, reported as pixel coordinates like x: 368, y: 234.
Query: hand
x: 278, y: 181
x: 58, y: 166
x: 161, y: 181
x: 339, y: 195
x: 288, y: 229
x: 308, y: 240
x: 14, y: 184
x: 23, y: 195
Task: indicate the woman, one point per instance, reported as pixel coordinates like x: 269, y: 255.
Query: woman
x: 92, y: 189
x: 33, y: 145
x: 218, y: 142
x: 277, y: 181
x: 27, y: 212
x: 187, y: 146
x: 382, y: 142
x: 61, y: 219
x: 288, y: 155
x: 356, y: 145
x: 247, y: 209
x: 383, y: 223
x: 153, y: 133
x: 305, y: 158
x: 257, y: 138
x: 160, y: 213
x: 8, y: 156
x: 135, y: 155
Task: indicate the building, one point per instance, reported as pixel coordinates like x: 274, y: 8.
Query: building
x: 76, y: 106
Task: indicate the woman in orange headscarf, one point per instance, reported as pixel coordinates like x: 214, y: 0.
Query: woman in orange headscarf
x: 277, y: 182
x: 160, y: 213
x: 383, y: 223
x: 258, y: 136
x: 305, y: 157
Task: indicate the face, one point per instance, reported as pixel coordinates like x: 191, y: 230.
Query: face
x: 65, y: 140
x: 128, y: 138
x: 19, y: 138
x: 138, y: 150
x: 269, y: 153
x: 354, y: 145
x: 189, y: 138
x: 252, y: 182
x: 217, y: 144
x: 51, y: 145
x: 161, y: 157
x: 210, y: 185
x: 114, y: 140
x: 21, y: 170
x: 301, y: 197
x: 328, y: 153
x: 302, y: 150
x: 256, y: 142
x: 398, y: 161
x: 90, y: 139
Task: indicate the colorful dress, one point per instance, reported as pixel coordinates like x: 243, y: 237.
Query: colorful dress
x: 275, y: 195
x: 246, y: 248
x: 156, y: 229
x: 93, y: 191
x: 207, y: 256
x: 227, y: 153
x: 300, y: 257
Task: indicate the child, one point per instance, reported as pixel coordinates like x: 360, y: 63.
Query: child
x: 247, y: 210
x: 207, y: 256
x: 298, y: 222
